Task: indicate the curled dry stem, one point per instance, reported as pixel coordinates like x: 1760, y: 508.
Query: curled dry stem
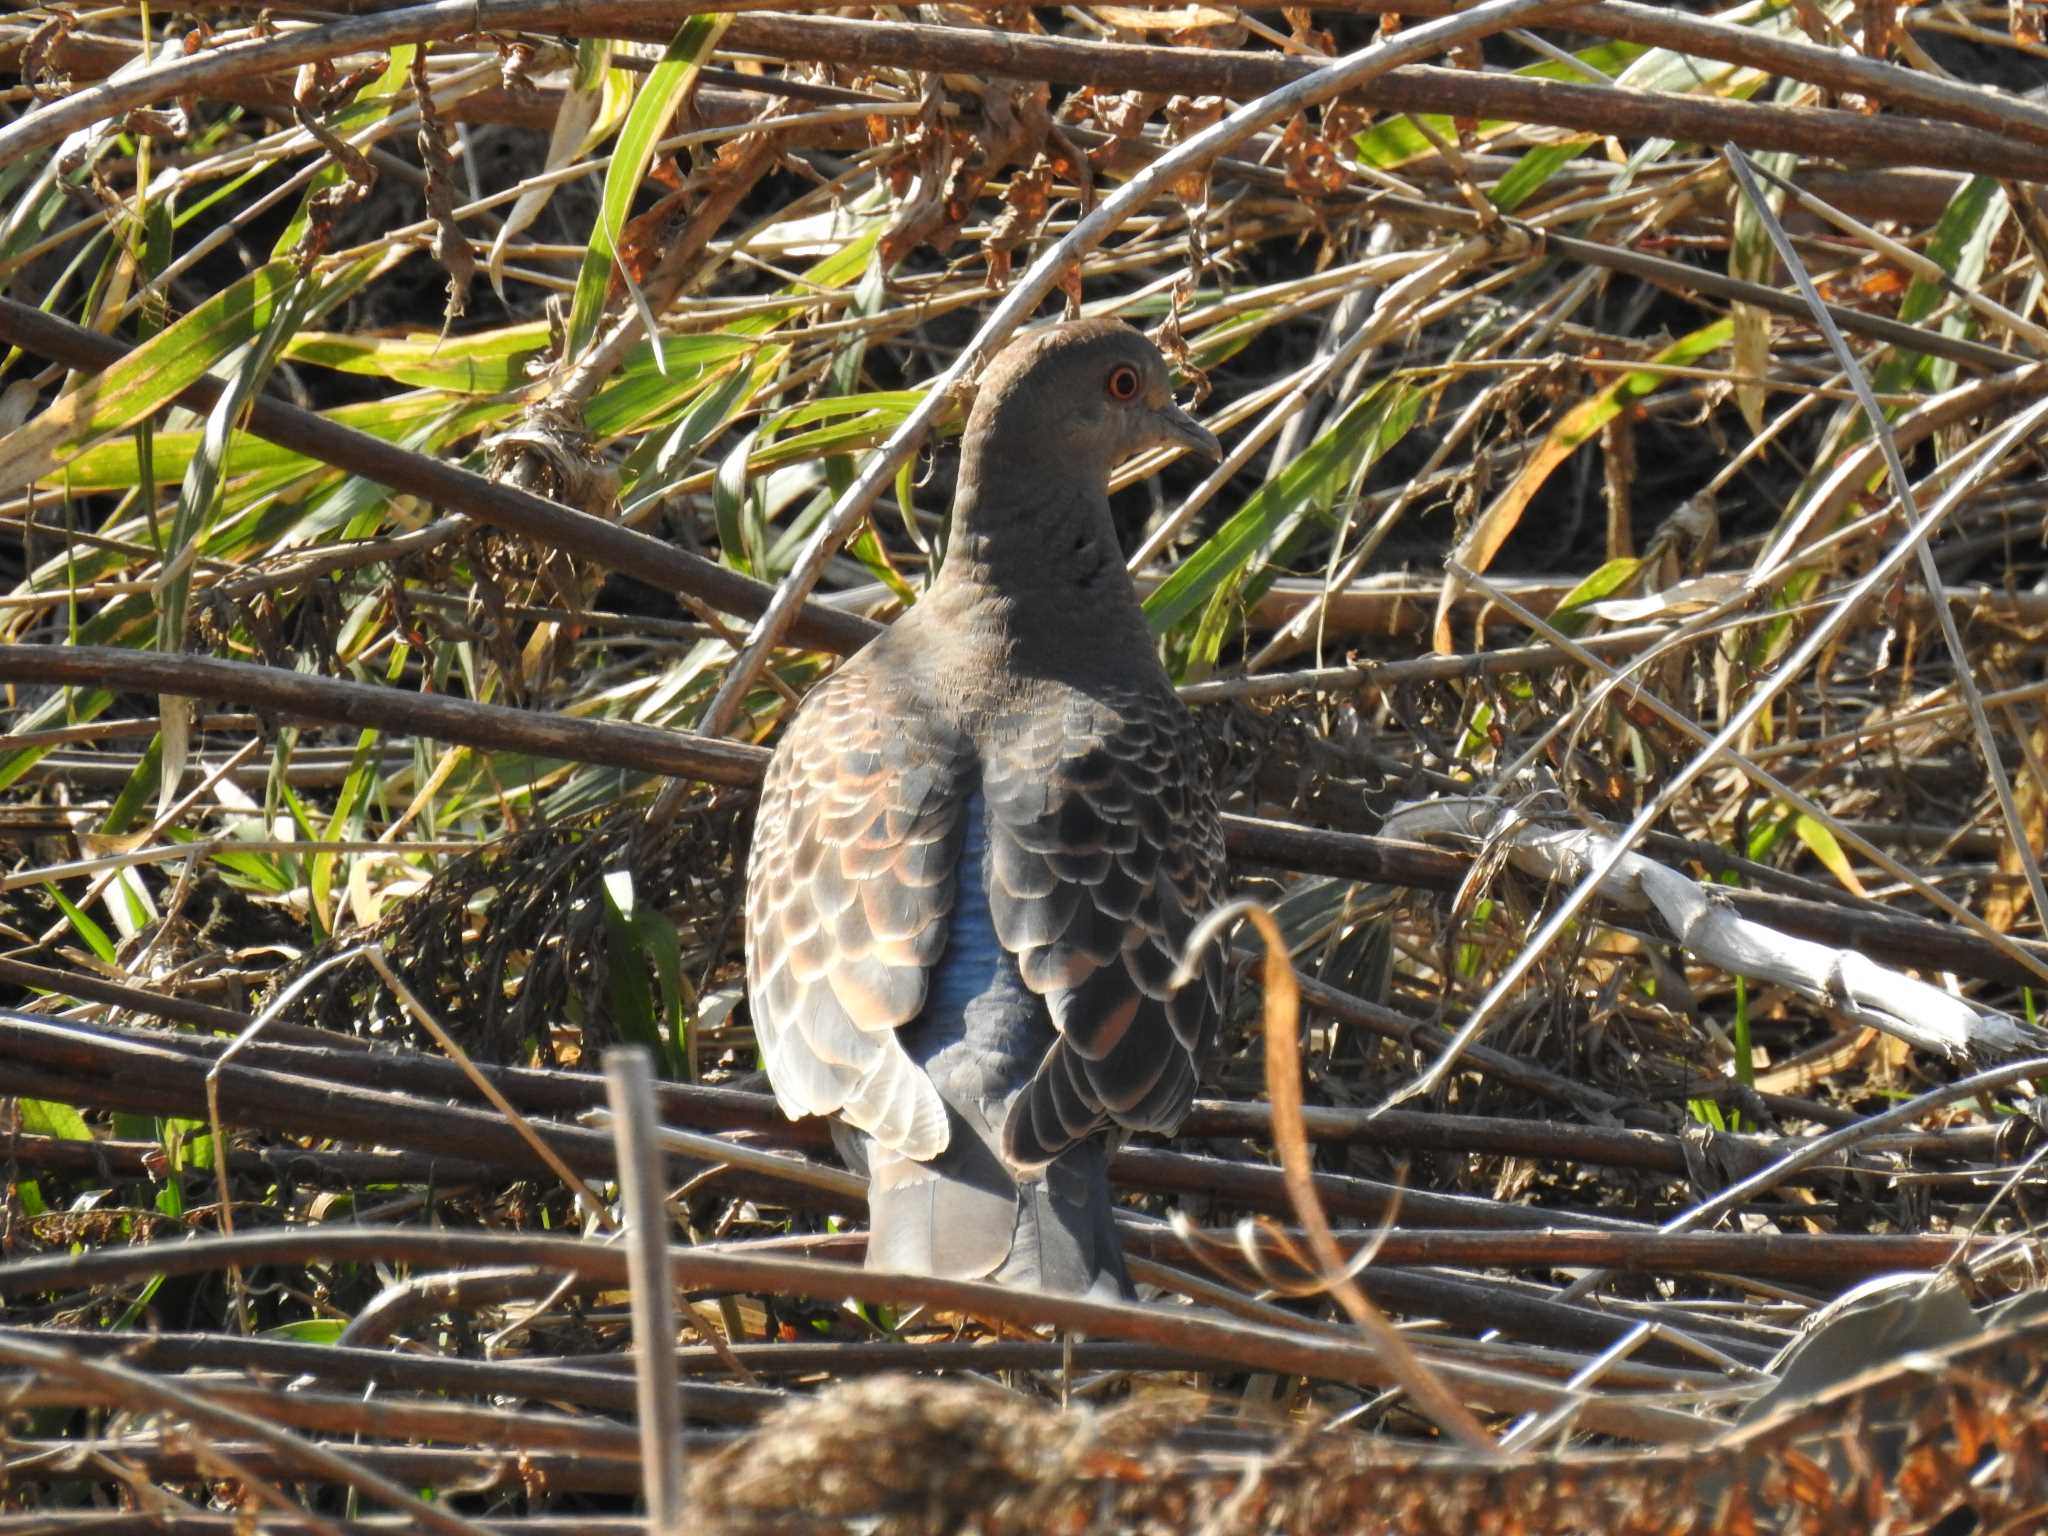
x: 1282, y: 1018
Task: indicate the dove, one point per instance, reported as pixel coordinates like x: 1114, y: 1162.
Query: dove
x: 982, y: 844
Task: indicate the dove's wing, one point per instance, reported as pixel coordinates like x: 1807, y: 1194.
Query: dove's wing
x: 1105, y: 850
x: 850, y: 888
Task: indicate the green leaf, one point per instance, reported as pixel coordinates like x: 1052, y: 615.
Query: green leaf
x: 661, y: 459
x: 1797, y: 588
x: 844, y: 265
x: 199, y: 493
x: 170, y: 1201
x: 643, y: 394
x: 134, y: 795
x: 736, y: 506
x: 151, y: 248
x: 1603, y: 583
x: 264, y: 871
x: 1961, y: 245
x: 485, y: 362
x: 628, y: 996
x: 867, y: 549
x: 879, y: 408
x: 112, y: 466
x: 872, y: 423
x: 667, y: 85
x: 1765, y: 835
x: 309, y: 1330
x: 1360, y: 434
x: 27, y: 226
x: 89, y: 705
x: 346, y: 823
x: 657, y: 937
x: 1745, y: 1041
x: 151, y: 375
x: 1529, y: 173
x: 187, y: 1143
x: 1395, y: 140
x: 198, y: 499
x: 44, y: 1117
x: 92, y: 933
x: 1823, y: 845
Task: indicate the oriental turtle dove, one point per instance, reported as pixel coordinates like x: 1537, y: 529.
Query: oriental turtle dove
x: 982, y: 845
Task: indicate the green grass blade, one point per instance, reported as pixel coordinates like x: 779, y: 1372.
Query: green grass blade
x: 151, y: 375
x: 1367, y: 426
x: 668, y: 85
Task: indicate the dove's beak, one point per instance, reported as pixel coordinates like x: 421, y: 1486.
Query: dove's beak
x: 1177, y: 427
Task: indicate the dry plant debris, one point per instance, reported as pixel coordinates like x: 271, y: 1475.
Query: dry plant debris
x: 1896, y: 1451
x: 440, y: 444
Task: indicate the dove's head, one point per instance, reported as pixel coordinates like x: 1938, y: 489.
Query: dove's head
x: 1076, y: 399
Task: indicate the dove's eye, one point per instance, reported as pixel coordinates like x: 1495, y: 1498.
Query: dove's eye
x: 1123, y: 382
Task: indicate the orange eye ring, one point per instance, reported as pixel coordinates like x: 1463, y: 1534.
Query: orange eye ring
x: 1123, y: 383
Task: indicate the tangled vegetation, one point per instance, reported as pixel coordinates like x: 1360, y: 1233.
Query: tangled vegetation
x: 440, y: 444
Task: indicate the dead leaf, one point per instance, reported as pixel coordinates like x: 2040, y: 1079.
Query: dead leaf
x: 1313, y: 169
x: 1175, y: 19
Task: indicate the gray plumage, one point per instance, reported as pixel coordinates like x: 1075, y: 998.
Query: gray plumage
x: 981, y: 847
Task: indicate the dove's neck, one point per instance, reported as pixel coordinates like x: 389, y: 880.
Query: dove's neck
x: 1041, y: 554
x: 1034, y: 584
x: 1033, y: 595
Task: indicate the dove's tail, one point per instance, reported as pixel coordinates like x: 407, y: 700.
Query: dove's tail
x: 1066, y: 1229
x: 962, y: 1215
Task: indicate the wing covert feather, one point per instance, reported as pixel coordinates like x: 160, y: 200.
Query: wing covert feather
x: 849, y: 889
x: 1106, y: 851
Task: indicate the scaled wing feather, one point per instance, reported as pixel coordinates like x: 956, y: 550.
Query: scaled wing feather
x: 847, y: 903
x: 1107, y: 851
